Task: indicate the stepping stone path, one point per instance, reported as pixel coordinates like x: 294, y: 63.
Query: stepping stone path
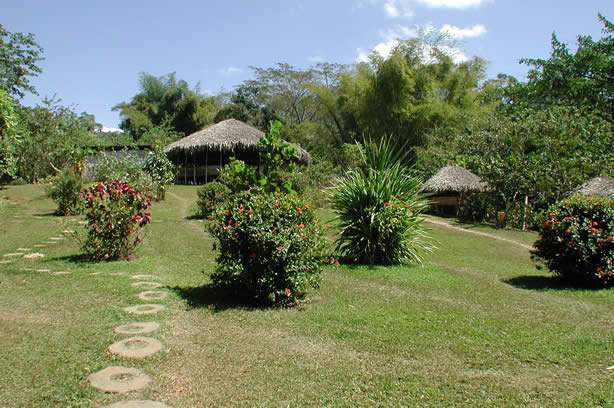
x: 39, y: 246
x: 137, y: 328
x: 143, y: 309
x: 33, y: 255
x: 120, y: 380
x: 13, y: 254
x: 24, y: 249
x: 151, y: 285
x: 136, y: 347
x: 137, y: 404
x: 153, y: 295
x: 61, y: 273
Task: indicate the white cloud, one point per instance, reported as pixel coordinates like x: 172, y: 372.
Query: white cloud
x: 458, y: 33
x: 110, y: 130
x: 229, y: 70
x: 457, y: 4
x: 398, y: 8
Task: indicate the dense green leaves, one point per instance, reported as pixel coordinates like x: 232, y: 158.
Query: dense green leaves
x: 19, y: 55
x: 8, y: 137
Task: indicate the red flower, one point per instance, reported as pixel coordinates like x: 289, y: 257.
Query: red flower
x: 299, y: 210
x: 567, y: 231
x: 301, y: 225
x: 228, y: 226
x: 209, y: 217
x: 276, y: 204
x: 387, y: 204
x: 288, y: 291
x: 253, y: 255
x: 226, y: 211
x: 306, y: 207
x: 315, y: 221
x: 570, y: 242
x: 595, y: 223
x: 337, y: 263
x: 250, y: 211
x: 241, y: 209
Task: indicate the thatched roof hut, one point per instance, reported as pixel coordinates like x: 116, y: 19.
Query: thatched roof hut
x: 448, y: 186
x: 453, y: 179
x: 599, y: 186
x: 204, y: 152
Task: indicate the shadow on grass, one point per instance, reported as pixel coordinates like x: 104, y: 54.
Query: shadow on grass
x: 213, y: 298
x: 47, y: 214
x: 78, y: 259
x: 194, y: 217
x: 532, y: 282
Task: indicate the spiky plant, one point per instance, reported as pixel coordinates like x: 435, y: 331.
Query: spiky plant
x: 379, y: 209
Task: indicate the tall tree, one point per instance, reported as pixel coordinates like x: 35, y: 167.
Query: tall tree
x: 165, y: 102
x: 584, y: 79
x: 19, y: 55
x: 8, y: 137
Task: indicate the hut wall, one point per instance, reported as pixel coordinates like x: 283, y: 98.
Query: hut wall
x: 200, y: 167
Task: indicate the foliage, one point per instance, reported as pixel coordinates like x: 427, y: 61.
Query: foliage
x: 577, y: 240
x: 160, y: 170
x: 245, y: 105
x: 270, y: 247
x: 168, y: 103
x: 19, y: 55
x: 276, y: 156
x: 64, y: 188
x: 212, y: 196
x: 115, y: 213
x: 53, y: 137
x: 9, y: 138
x: 238, y: 176
x: 583, y: 80
x: 312, y: 182
x: 124, y: 166
x: 379, y: 209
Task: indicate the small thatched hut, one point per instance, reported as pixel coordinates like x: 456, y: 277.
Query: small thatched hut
x: 448, y: 186
x: 200, y: 155
x: 599, y: 186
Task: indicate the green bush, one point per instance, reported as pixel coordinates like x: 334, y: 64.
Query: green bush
x: 160, y: 169
x: 379, y: 209
x: 577, y: 240
x: 210, y: 197
x: 64, y: 188
x: 270, y: 247
x: 238, y: 176
x: 127, y: 168
x: 475, y: 208
x: 115, y: 214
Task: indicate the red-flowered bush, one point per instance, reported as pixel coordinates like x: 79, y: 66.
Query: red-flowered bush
x: 210, y: 196
x: 577, y: 240
x: 270, y: 247
x: 115, y: 213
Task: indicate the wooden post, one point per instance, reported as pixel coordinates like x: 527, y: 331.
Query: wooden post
x: 194, y: 168
x: 207, y: 166
x: 185, y: 168
x: 524, y: 218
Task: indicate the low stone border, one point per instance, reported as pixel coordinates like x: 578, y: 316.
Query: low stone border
x: 136, y: 347
x: 144, y: 309
x: 137, y: 404
x: 151, y: 285
x: 153, y: 295
x: 120, y: 380
x: 137, y: 328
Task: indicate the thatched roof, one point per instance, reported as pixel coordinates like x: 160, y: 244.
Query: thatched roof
x: 599, y: 186
x: 228, y: 136
x: 453, y: 179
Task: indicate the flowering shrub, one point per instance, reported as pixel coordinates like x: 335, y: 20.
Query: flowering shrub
x: 577, y: 240
x: 114, y: 212
x: 210, y: 196
x: 125, y: 167
x: 160, y: 169
x: 64, y: 188
x: 270, y: 247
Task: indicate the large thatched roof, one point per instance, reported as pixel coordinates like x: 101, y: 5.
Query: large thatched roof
x: 453, y: 179
x: 600, y: 186
x: 228, y: 136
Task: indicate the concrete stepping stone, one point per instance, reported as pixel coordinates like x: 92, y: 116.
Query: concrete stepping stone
x: 12, y: 254
x: 136, y: 347
x: 68, y: 232
x: 117, y: 274
x: 151, y: 285
x: 137, y: 328
x: 153, y: 295
x: 34, y: 255
x: 51, y: 242
x: 5, y: 261
x: 141, y: 277
x: 57, y: 238
x: 43, y: 270
x: 120, y: 380
x: 39, y: 218
x: 39, y: 246
x: 61, y: 273
x: 24, y: 249
x: 137, y: 404
x: 95, y: 273
x: 144, y: 309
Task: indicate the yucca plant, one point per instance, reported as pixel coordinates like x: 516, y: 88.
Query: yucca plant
x: 379, y: 209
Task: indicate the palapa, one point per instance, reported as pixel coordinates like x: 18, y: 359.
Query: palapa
x: 453, y: 179
x: 227, y: 136
x: 599, y: 186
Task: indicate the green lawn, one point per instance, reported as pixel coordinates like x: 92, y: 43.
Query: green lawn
x: 478, y: 325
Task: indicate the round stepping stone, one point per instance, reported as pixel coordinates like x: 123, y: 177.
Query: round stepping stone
x: 153, y: 295
x: 139, y: 277
x: 13, y: 254
x: 61, y: 273
x: 33, y: 255
x: 120, y: 380
x: 137, y: 404
x: 136, y: 347
x: 137, y: 328
x: 144, y: 309
x: 151, y: 285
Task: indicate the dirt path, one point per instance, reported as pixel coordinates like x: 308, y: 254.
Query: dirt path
x: 448, y: 225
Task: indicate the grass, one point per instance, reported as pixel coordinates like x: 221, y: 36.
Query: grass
x: 478, y: 325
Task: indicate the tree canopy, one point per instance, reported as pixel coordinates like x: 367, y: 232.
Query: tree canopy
x: 19, y: 55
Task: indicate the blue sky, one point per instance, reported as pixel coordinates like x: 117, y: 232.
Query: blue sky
x: 94, y: 50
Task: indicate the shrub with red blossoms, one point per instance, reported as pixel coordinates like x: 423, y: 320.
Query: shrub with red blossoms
x: 115, y: 214
x: 576, y: 240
